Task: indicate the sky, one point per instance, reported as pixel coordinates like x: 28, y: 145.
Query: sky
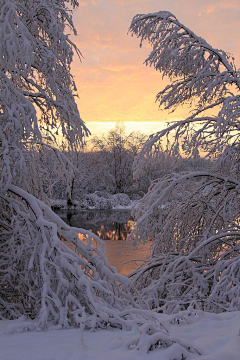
x: 112, y: 81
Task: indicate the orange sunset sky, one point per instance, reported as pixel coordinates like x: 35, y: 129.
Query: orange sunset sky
x: 112, y: 81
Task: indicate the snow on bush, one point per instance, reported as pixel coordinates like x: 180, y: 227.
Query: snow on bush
x: 102, y: 200
x: 195, y: 259
x: 98, y: 200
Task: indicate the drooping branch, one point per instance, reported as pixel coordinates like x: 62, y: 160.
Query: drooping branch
x: 49, y: 280
x: 193, y: 222
x: 177, y: 51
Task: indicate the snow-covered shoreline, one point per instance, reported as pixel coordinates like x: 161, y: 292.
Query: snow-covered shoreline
x: 214, y: 336
x: 96, y: 201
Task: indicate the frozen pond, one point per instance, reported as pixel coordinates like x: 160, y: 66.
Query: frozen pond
x: 113, y: 227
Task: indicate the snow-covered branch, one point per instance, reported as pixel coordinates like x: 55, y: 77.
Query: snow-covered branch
x: 41, y: 276
x: 191, y: 218
x: 200, y: 75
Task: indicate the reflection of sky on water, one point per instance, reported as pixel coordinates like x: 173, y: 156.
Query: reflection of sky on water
x: 111, y: 225
x: 108, y: 225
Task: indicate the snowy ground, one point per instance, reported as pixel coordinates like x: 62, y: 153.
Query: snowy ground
x: 216, y: 337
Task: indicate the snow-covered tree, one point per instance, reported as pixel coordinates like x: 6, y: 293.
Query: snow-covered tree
x: 118, y: 150
x: 192, y: 218
x: 40, y: 277
x: 103, y: 164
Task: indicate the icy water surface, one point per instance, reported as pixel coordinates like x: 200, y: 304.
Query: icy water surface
x: 113, y: 227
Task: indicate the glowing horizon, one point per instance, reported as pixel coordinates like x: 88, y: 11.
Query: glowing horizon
x: 102, y: 128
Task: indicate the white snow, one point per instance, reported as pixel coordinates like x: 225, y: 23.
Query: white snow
x: 98, y: 200
x: 215, y: 336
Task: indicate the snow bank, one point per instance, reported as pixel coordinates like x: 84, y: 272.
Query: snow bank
x: 98, y: 200
x: 212, y: 337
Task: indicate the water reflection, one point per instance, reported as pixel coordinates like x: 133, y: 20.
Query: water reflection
x: 110, y: 225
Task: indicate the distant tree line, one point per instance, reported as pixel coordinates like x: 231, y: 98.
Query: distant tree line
x: 105, y: 164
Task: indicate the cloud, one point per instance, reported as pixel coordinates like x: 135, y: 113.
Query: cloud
x: 220, y: 5
x: 112, y: 81
x: 85, y: 3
